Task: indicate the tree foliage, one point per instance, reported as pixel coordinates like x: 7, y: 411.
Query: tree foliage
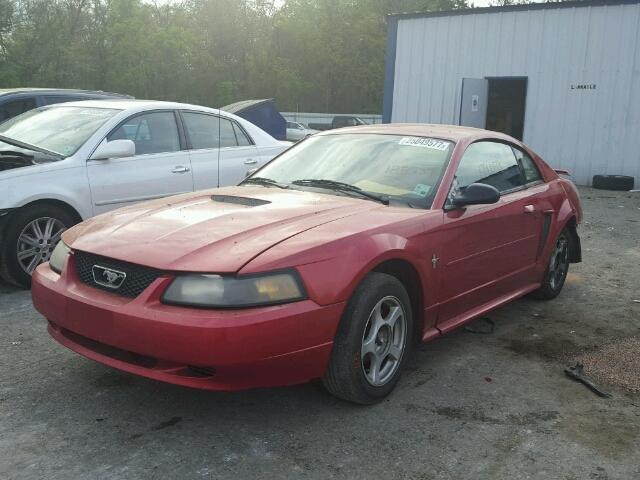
x: 311, y: 55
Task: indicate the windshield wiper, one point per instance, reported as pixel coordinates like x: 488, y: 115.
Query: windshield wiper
x: 341, y: 187
x: 265, y: 182
x: 27, y: 146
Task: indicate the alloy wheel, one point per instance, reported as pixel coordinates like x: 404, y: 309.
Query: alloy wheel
x: 37, y: 241
x: 383, y: 341
x: 559, y: 262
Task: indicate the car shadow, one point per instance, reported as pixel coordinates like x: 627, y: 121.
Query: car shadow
x: 7, y: 288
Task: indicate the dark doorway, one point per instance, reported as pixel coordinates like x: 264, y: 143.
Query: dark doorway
x: 506, y: 105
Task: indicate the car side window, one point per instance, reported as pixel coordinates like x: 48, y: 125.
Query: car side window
x: 531, y: 172
x: 491, y: 163
x: 16, y: 107
x: 231, y: 135
x: 203, y: 130
x: 154, y: 132
x: 241, y: 136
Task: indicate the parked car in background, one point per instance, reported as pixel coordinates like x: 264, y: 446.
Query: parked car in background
x: 263, y: 113
x: 14, y: 101
x: 339, y: 122
x: 297, y: 131
x: 64, y: 163
x: 326, y: 263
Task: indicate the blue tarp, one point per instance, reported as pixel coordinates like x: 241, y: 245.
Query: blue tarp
x: 262, y: 113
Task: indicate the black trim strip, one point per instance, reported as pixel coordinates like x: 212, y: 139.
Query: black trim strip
x: 546, y: 227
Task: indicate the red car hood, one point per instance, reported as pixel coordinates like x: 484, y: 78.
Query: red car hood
x: 209, y: 231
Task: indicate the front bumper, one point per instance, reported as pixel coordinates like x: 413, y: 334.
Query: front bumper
x: 209, y: 349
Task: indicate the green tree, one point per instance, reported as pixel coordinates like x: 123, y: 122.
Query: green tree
x: 325, y: 55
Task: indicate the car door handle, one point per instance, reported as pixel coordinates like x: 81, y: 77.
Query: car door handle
x: 250, y: 161
x: 180, y: 169
x: 529, y: 209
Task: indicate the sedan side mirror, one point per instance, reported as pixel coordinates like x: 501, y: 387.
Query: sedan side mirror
x: 114, y: 149
x: 477, y: 194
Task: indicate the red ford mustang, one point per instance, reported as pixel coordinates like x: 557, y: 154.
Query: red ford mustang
x: 326, y: 263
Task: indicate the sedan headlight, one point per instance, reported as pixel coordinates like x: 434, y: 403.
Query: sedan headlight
x: 58, y: 256
x: 217, y: 291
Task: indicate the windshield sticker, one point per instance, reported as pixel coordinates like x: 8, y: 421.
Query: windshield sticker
x: 425, y: 143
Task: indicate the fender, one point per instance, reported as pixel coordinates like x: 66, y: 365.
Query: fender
x: 82, y: 210
x: 566, y: 214
x: 331, y: 277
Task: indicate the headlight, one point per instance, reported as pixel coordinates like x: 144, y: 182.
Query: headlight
x: 216, y: 291
x: 58, y: 256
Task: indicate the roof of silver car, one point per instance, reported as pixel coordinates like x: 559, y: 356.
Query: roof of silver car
x: 6, y: 91
x: 125, y: 104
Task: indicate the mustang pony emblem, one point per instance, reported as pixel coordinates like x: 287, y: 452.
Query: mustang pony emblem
x: 108, y: 277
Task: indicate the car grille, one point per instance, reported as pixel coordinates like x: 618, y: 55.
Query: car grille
x: 137, y: 280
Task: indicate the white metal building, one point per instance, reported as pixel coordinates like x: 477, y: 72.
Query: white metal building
x: 563, y: 77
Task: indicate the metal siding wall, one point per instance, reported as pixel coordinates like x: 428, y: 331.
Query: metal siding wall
x: 584, y: 131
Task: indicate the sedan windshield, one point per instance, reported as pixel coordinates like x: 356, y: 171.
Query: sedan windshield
x: 61, y: 129
x: 387, y: 167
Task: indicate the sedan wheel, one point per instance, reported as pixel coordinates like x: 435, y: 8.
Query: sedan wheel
x: 30, y: 236
x: 37, y: 241
x: 372, y: 341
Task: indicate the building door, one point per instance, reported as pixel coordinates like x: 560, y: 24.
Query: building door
x: 495, y: 103
x: 473, y: 106
x: 506, y: 105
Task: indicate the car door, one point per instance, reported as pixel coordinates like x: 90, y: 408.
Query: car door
x: 238, y: 154
x: 202, y: 131
x: 489, y: 251
x: 159, y: 168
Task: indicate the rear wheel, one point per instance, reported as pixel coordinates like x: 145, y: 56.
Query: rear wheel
x: 29, y: 239
x: 372, y: 342
x: 557, y: 269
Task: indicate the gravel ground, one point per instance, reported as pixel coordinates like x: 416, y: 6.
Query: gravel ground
x: 617, y: 363
x: 469, y: 406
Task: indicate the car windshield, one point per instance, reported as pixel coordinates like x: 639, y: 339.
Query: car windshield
x: 60, y: 129
x: 403, y: 168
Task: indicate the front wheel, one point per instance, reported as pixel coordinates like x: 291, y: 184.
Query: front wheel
x: 29, y: 239
x: 372, y: 342
x: 557, y: 269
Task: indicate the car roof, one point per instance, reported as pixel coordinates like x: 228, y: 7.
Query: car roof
x: 6, y: 91
x: 454, y: 133
x: 131, y: 104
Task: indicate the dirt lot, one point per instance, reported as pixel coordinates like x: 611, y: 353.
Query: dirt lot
x: 470, y: 406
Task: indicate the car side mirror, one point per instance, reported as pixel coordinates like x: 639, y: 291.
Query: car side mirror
x: 114, y: 149
x: 476, y: 194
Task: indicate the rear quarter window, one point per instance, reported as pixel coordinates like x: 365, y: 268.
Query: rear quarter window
x: 529, y: 167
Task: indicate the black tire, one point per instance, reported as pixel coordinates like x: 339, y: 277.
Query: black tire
x: 10, y: 268
x: 553, y: 280
x: 346, y: 375
x: 613, y: 182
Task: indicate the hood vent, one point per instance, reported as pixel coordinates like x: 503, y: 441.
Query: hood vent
x: 247, y: 202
